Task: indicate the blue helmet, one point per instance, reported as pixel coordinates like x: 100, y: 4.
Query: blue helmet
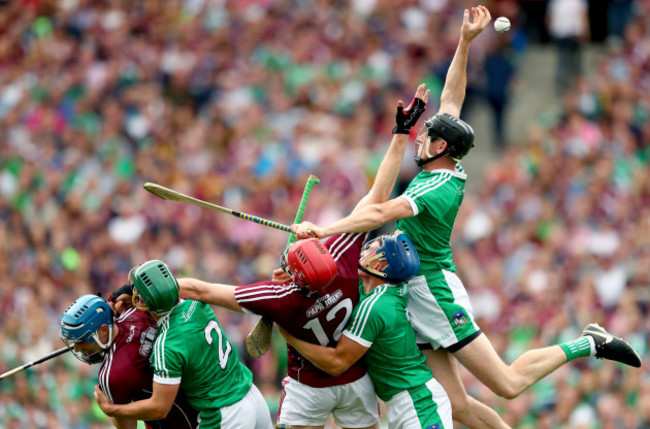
x: 399, y: 253
x: 80, y: 322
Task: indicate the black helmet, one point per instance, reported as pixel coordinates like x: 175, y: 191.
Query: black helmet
x: 456, y: 132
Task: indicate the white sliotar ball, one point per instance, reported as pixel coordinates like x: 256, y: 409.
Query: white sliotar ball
x: 502, y: 24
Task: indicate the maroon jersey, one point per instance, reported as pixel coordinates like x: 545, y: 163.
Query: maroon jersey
x: 318, y: 318
x: 126, y: 374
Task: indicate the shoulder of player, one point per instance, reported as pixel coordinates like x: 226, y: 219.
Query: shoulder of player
x: 437, y: 181
x: 339, y: 243
x: 377, y: 300
x: 132, y: 322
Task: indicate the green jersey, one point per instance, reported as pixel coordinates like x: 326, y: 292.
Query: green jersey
x: 192, y: 350
x: 393, y: 360
x: 435, y: 198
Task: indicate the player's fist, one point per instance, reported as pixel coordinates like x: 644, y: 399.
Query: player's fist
x: 281, y: 276
x: 120, y: 299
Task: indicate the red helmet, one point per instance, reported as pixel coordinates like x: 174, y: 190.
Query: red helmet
x: 310, y: 264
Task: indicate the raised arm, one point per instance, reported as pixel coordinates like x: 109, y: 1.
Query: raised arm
x: 333, y: 361
x: 453, y: 93
x: 392, y: 161
x: 210, y: 293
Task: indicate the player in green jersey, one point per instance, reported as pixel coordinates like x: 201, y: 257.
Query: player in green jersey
x: 438, y: 302
x: 380, y: 330
x: 191, y: 351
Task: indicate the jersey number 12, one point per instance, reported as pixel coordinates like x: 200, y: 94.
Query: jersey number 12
x: 318, y: 330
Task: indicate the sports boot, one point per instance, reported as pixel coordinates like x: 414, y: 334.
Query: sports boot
x: 610, y: 347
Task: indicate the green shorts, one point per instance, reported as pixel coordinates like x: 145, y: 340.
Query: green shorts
x: 440, y: 311
x: 425, y: 407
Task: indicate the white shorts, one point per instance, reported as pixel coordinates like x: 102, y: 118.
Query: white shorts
x: 353, y: 405
x: 425, y: 407
x: 250, y: 412
x: 440, y: 311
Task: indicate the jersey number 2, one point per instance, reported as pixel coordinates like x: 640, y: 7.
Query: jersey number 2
x: 223, y: 354
x: 318, y: 330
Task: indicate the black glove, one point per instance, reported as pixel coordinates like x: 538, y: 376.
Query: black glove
x: 126, y: 289
x: 406, y: 118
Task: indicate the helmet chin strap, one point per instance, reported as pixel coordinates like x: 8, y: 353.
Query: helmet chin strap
x: 107, y: 344
x: 425, y: 149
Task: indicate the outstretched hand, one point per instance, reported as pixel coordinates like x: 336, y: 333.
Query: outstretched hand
x: 405, y: 118
x: 480, y: 19
x: 307, y: 230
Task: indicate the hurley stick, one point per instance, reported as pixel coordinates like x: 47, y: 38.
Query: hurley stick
x: 171, y: 195
x: 36, y: 362
x: 259, y: 339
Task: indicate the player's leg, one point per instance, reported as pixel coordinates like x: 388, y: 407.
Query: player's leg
x: 357, y: 406
x: 425, y: 406
x: 480, y: 358
x: 446, y: 320
x: 250, y: 412
x: 304, y: 407
x: 466, y: 410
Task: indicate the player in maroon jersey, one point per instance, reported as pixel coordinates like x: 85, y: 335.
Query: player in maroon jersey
x: 315, y: 309
x: 123, y: 344
x: 315, y: 304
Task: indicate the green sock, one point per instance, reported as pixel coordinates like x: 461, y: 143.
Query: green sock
x: 577, y: 348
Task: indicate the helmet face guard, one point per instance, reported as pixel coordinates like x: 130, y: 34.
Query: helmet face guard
x: 310, y: 264
x: 81, y: 321
x: 456, y: 132
x: 402, y: 261
x: 155, y: 289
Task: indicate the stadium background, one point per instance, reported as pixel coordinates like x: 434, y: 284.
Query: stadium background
x: 238, y: 101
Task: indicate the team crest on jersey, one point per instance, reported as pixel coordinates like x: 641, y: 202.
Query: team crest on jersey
x: 324, y: 302
x: 460, y: 318
x: 147, y: 339
x: 461, y: 191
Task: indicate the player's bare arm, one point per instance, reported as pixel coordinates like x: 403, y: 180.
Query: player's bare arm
x: 405, y: 119
x: 365, y: 219
x: 453, y: 93
x: 121, y: 423
x: 211, y: 293
x: 333, y: 361
x: 392, y: 161
x: 154, y: 408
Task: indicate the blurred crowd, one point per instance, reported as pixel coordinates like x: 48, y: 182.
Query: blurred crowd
x: 237, y: 102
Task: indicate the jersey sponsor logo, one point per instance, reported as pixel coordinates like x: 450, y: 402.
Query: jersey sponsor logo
x: 187, y: 315
x: 460, y: 318
x: 436, y: 426
x: 323, y: 303
x: 131, y: 333
x: 147, y: 340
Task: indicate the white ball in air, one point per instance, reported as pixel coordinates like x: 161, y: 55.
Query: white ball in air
x: 502, y: 24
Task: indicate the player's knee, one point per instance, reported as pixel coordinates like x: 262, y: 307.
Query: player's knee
x: 506, y: 389
x: 460, y: 405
